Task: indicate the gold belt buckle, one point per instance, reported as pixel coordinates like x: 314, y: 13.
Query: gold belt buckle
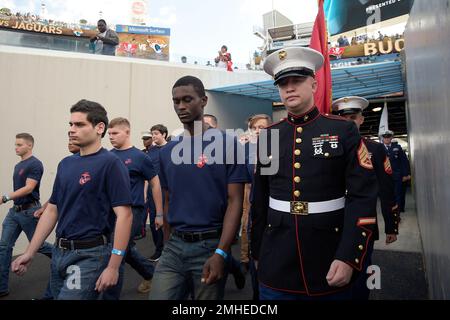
x: 299, y: 208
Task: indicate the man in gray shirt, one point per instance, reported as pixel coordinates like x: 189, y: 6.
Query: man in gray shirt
x: 106, y: 40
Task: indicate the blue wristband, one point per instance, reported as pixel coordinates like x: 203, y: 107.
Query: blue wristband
x: 118, y: 252
x: 222, y: 253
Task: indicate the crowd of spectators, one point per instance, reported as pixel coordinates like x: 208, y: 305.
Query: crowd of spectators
x: 343, y: 41
x: 35, y: 18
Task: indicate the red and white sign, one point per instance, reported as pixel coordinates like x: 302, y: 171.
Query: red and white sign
x: 336, y: 52
x: 138, y: 7
x: 130, y: 48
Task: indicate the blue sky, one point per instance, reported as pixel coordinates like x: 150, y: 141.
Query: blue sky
x: 198, y: 28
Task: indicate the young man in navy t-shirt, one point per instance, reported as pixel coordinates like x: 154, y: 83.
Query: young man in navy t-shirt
x: 140, y: 169
x: 159, y: 137
x: 22, y: 216
x: 234, y: 267
x: 203, y: 202
x: 91, y: 198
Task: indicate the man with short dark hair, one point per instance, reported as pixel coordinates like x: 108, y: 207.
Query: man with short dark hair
x: 160, y: 134
x: 203, y: 202
x: 234, y: 266
x: 106, y: 40
x: 159, y: 137
x: 27, y: 179
x: 91, y: 198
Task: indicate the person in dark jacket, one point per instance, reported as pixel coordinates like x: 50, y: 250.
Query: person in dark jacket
x: 400, y: 167
x: 351, y: 108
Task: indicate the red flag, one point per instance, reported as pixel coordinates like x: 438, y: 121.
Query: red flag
x: 319, y: 41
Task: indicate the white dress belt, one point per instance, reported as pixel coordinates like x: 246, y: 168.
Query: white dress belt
x: 305, y: 208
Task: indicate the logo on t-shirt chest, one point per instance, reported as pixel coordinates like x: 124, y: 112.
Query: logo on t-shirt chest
x: 128, y: 162
x: 202, y: 161
x: 85, y: 178
x: 21, y: 172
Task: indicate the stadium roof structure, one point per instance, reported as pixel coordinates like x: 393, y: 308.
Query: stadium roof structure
x: 376, y: 80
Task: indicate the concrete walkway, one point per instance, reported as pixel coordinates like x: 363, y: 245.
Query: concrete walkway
x: 402, y: 273
x: 401, y: 263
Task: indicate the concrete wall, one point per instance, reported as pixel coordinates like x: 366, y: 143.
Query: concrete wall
x: 37, y: 88
x: 234, y: 110
x: 278, y: 114
x: 428, y: 80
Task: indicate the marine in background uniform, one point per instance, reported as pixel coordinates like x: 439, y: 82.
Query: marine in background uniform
x: 400, y: 167
x: 351, y: 108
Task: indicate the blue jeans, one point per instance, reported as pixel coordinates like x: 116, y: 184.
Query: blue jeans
x: 254, y: 277
x: 157, y: 235
x: 133, y: 257
x: 179, y: 270
x: 75, y: 272
x: 266, y: 293
x: 13, y: 225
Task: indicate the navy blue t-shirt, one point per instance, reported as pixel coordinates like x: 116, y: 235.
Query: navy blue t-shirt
x: 30, y: 168
x: 198, y: 187
x: 140, y: 168
x: 86, y: 190
x: 153, y: 153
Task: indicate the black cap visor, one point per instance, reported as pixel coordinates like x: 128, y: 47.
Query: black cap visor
x: 345, y: 112
x: 293, y: 72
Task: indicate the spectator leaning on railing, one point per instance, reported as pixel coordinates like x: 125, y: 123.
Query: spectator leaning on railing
x: 106, y: 40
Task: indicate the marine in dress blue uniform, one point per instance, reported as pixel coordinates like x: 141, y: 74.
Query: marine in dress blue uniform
x: 400, y: 167
x: 351, y: 108
x: 317, y: 209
